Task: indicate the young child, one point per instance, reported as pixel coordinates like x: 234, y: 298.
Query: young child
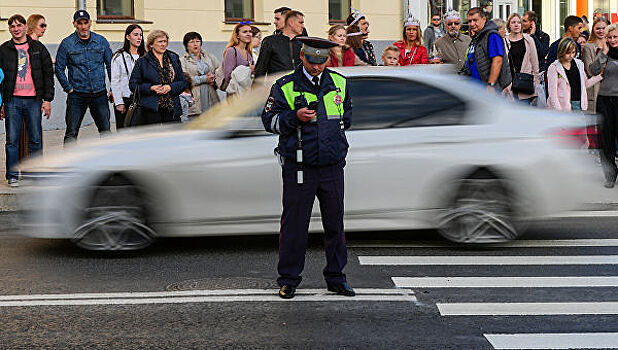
x: 390, y: 57
x: 186, y: 99
x: 566, y: 80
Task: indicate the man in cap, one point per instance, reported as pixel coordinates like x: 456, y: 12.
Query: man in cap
x: 451, y: 48
x: 309, y: 109
x: 87, y: 57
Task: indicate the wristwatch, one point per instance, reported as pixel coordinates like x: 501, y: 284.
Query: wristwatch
x: 491, y: 84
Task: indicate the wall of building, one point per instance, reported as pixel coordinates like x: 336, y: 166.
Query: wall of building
x: 205, y: 16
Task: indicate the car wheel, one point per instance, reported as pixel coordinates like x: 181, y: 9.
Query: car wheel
x: 116, y: 217
x: 481, y: 212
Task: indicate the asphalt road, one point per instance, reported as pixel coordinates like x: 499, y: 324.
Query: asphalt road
x: 220, y: 293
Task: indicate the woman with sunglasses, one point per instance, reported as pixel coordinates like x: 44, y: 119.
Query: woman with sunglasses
x: 35, y: 29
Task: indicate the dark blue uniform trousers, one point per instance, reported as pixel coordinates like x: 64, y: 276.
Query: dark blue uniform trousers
x: 327, y: 184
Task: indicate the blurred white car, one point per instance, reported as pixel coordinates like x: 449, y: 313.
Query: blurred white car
x: 427, y: 150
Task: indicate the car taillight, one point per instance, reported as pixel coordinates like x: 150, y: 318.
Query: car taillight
x: 578, y: 137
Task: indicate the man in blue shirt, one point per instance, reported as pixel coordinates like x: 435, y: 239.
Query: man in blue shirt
x: 87, y: 57
x: 573, y: 26
x: 485, y: 60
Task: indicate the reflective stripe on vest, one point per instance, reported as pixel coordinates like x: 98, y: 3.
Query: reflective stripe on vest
x: 333, y: 110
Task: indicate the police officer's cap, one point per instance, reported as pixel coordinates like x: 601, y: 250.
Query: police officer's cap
x: 317, y: 50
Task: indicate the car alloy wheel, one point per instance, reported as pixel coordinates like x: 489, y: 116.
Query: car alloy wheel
x: 481, y: 212
x: 115, y: 219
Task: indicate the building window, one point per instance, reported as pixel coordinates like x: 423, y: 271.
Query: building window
x: 601, y: 8
x: 563, y: 13
x: 236, y: 10
x: 338, y: 10
x: 115, y: 9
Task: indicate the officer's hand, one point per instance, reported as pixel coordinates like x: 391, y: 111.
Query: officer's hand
x: 305, y: 114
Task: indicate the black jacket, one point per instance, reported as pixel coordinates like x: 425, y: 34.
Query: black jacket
x: 278, y: 54
x: 40, y: 63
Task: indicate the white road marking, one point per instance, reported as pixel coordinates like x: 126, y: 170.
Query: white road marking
x: 528, y: 243
x: 201, y: 296
x: 586, y: 214
x: 528, y: 309
x: 505, y: 282
x: 554, y: 341
x: 490, y: 260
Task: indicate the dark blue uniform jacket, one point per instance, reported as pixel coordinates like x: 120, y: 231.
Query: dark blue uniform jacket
x: 324, y: 141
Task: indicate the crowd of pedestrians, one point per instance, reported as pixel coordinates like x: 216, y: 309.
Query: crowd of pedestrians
x: 151, y: 84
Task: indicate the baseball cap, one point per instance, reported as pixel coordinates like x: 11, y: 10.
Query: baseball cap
x: 80, y: 14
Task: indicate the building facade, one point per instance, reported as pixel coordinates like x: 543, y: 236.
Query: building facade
x: 213, y: 19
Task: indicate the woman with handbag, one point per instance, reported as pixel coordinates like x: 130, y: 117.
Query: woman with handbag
x: 123, y: 62
x: 607, y: 101
x: 524, y: 61
x: 157, y: 81
x: 238, y: 52
x: 201, y: 67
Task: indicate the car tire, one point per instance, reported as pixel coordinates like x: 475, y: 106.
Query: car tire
x: 116, y: 217
x: 482, y: 211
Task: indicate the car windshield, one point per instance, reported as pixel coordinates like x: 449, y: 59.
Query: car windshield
x: 237, y: 113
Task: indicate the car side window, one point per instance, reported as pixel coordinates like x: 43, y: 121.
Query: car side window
x: 380, y: 102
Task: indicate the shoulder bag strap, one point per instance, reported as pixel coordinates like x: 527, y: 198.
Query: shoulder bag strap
x: 413, y: 54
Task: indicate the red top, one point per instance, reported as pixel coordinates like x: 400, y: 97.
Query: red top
x: 348, y: 58
x: 420, y: 56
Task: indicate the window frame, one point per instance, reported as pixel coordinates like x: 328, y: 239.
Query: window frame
x: 104, y: 17
x: 238, y: 20
x: 390, y: 79
x: 339, y: 21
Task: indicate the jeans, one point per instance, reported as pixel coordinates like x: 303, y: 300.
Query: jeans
x: 607, y: 106
x: 16, y: 110
x: 77, y: 103
x: 576, y: 106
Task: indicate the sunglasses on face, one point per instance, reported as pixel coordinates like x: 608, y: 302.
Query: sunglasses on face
x: 452, y: 24
x: 43, y: 25
x: 435, y: 19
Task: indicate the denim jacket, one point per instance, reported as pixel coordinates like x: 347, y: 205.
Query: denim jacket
x: 86, y: 63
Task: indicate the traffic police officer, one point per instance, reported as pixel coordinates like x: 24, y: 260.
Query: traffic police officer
x: 309, y: 109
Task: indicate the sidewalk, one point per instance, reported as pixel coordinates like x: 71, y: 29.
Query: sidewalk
x: 53, y: 141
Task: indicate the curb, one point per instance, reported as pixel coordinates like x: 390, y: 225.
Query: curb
x: 8, y: 200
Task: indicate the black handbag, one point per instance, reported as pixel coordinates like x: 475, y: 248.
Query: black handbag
x: 134, y: 112
x: 522, y: 82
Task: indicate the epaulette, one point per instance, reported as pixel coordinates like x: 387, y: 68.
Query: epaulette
x: 285, y: 79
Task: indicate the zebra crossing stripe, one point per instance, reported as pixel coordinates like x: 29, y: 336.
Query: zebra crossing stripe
x: 505, y: 282
x: 528, y: 309
x: 202, y: 296
x: 490, y: 260
x: 529, y: 243
x: 553, y: 340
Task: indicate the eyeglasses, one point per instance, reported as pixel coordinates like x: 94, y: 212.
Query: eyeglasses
x: 452, y: 24
x: 245, y: 23
x: 43, y: 25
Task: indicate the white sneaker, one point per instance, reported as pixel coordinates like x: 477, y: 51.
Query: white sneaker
x: 13, y: 183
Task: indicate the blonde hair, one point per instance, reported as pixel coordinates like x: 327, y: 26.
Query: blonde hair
x: 235, y: 40
x: 508, y: 20
x: 32, y: 21
x: 565, y: 46
x: 334, y: 29
x: 153, y: 35
x: 611, y: 28
x: 390, y: 48
x: 419, y: 35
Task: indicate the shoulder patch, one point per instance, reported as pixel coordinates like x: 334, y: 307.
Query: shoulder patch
x: 269, y: 104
